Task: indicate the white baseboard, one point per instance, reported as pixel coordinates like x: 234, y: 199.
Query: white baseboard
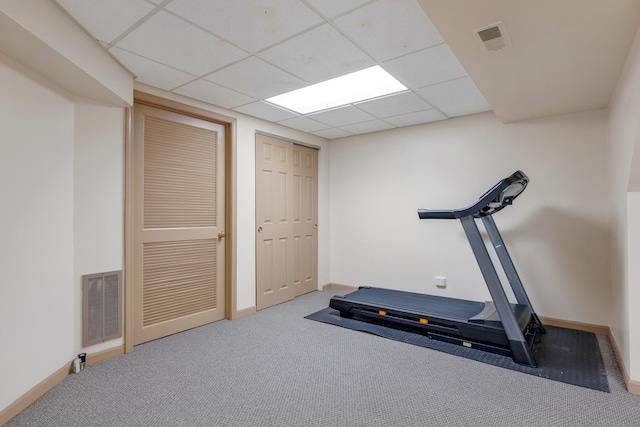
x: 35, y: 393
x: 339, y: 287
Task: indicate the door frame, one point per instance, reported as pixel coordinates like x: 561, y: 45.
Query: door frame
x: 230, y: 303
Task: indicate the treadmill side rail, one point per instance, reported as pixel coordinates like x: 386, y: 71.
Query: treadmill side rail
x: 339, y: 302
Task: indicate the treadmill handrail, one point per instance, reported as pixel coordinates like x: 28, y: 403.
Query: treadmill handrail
x: 489, y: 203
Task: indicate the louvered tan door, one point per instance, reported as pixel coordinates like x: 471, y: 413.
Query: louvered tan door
x: 305, y: 219
x: 179, y: 209
x: 274, y: 221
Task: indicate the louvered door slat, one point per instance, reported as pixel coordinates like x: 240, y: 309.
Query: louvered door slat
x: 178, y: 177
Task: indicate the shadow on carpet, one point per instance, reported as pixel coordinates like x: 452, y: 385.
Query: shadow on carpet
x: 565, y: 355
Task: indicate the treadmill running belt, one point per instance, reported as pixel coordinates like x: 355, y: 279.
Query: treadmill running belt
x: 565, y: 355
x: 432, y: 304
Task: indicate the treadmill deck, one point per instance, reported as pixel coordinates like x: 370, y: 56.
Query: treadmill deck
x: 450, y: 310
x: 419, y: 303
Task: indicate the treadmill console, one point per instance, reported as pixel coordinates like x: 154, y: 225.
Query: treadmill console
x: 500, y: 195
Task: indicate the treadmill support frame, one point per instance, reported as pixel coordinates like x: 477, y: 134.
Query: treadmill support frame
x: 519, y: 347
x: 509, y: 268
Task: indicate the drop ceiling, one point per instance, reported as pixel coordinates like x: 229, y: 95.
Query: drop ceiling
x: 565, y: 55
x: 235, y: 54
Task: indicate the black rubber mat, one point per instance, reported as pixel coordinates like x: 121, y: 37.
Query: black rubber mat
x: 565, y: 355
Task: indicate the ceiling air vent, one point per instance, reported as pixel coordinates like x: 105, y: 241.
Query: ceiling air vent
x: 492, y: 37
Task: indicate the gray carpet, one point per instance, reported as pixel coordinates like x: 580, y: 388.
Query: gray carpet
x: 276, y: 368
x: 563, y: 354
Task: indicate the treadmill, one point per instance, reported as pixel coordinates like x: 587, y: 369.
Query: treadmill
x: 496, y: 326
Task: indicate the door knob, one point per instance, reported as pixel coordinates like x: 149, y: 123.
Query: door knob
x: 221, y: 234
x: 259, y: 229
x: 315, y: 226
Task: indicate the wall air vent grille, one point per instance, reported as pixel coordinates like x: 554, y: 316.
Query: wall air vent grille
x: 101, y: 307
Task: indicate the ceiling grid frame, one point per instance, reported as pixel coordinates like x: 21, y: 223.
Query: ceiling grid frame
x: 448, y: 96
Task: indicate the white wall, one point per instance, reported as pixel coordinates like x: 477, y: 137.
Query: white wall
x: 623, y: 145
x: 99, y: 200
x: 36, y: 230
x: 633, y: 283
x: 556, y: 231
x: 246, y: 129
x: 61, y: 186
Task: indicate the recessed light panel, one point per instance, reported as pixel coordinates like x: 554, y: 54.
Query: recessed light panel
x: 359, y: 86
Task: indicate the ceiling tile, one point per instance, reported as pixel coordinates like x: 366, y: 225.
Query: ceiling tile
x: 250, y: 25
x: 332, y: 133
x: 256, y: 78
x: 266, y: 111
x: 456, y: 97
x: 213, y: 94
x: 304, y: 124
x: 318, y: 55
x: 393, y: 105
x: 106, y: 20
x: 367, y: 127
x: 149, y: 72
x: 342, y: 116
x: 388, y: 29
x: 171, y: 41
x: 333, y: 8
x: 429, y: 66
x: 416, y: 118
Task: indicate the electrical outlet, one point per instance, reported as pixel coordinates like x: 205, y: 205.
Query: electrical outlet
x: 441, y: 281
